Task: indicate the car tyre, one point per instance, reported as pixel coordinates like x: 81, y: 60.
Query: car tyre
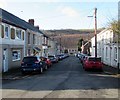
x: 41, y: 70
x: 23, y: 73
x: 46, y: 67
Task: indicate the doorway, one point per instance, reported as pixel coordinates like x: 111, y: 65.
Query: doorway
x: 5, y: 60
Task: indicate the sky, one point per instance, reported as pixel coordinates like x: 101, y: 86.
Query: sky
x: 63, y: 14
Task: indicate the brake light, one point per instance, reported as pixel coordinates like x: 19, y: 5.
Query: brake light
x: 22, y: 62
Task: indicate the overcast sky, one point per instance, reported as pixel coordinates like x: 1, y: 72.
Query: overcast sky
x: 61, y: 14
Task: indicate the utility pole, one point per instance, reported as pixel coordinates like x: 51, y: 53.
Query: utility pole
x: 95, y: 16
x: 60, y: 44
x: 95, y: 32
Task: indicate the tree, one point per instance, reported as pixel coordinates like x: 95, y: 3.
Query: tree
x: 115, y: 26
x: 80, y: 44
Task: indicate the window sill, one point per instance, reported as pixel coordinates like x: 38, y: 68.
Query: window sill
x: 16, y: 60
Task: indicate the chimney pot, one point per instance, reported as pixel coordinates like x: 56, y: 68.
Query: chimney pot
x: 31, y: 21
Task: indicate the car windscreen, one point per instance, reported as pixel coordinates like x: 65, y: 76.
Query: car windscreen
x: 29, y: 59
x: 95, y: 59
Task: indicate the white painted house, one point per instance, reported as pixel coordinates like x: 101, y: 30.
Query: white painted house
x: 107, y: 47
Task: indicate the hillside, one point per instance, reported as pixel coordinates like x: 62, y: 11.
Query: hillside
x: 69, y: 37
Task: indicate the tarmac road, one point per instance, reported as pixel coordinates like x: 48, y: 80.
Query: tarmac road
x: 65, y: 79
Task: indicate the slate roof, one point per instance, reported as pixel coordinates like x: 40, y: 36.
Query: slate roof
x: 16, y: 21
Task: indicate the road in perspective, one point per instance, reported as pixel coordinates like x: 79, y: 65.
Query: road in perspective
x: 66, y: 79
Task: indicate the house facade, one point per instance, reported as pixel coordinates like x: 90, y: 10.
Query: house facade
x: 19, y: 38
x: 11, y: 43
x: 108, y: 47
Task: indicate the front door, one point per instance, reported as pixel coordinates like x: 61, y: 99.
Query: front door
x: 5, y: 60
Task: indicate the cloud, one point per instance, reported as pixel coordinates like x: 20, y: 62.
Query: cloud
x: 68, y: 11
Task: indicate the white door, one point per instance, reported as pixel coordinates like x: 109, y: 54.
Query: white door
x: 5, y: 60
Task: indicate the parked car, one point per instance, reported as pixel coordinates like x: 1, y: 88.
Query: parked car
x: 47, y: 60
x: 92, y: 63
x: 53, y: 59
x: 33, y: 64
x: 82, y: 57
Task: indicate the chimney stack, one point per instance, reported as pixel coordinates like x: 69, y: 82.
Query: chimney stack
x: 31, y: 21
x: 37, y: 27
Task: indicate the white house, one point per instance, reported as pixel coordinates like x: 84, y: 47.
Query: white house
x: 107, y: 47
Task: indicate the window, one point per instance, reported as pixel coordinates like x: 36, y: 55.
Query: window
x: 12, y: 33
x: 33, y: 38
x: 106, y: 52
x: 28, y: 38
x: 6, y: 31
x: 18, y: 34
x: 28, y: 52
x: 115, y: 53
x: 15, y: 55
x: 23, y: 35
x: 2, y: 33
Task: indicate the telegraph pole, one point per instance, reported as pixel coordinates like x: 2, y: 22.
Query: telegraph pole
x: 95, y: 32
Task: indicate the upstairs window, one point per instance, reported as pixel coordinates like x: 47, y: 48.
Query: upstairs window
x: 12, y: 33
x: 23, y: 35
x: 2, y: 33
x: 18, y: 34
x: 33, y: 38
x: 115, y: 53
x: 28, y: 38
x: 6, y: 31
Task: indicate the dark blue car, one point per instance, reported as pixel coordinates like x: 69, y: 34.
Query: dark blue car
x: 32, y: 64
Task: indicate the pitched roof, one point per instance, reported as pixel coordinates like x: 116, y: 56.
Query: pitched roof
x: 16, y: 21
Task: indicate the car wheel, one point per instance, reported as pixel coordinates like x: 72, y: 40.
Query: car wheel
x: 24, y: 73
x: 41, y: 70
x: 85, y: 69
x: 46, y: 67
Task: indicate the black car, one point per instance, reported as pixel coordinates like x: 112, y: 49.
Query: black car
x: 32, y: 64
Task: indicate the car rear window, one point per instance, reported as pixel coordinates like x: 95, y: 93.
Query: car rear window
x: 94, y: 59
x: 30, y: 59
x: 50, y: 56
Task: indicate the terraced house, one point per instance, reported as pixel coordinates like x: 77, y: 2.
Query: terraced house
x: 108, y: 47
x: 19, y: 38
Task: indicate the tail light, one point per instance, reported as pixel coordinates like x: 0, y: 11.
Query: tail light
x: 22, y: 62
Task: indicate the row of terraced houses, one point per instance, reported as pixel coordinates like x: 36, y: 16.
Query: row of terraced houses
x: 19, y: 38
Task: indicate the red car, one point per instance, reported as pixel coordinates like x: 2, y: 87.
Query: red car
x: 48, y: 62
x: 92, y: 63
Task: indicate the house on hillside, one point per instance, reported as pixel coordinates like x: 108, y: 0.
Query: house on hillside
x: 108, y: 47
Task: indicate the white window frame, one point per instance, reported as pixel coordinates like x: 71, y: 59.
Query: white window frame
x: 18, y: 56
